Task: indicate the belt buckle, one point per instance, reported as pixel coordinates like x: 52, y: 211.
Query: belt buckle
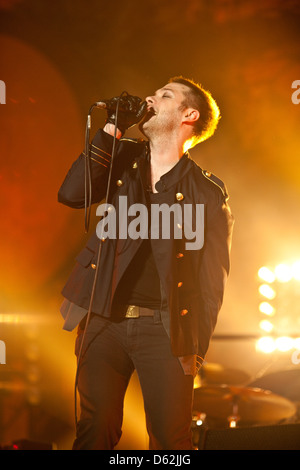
x: 132, y: 312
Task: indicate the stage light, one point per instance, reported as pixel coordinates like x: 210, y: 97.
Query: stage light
x: 266, y: 345
x: 24, y: 318
x: 296, y: 270
x: 297, y: 343
x: 266, y: 291
x: 266, y: 326
x: 266, y: 274
x: 233, y: 422
x: 283, y: 273
x: 266, y: 308
x: 10, y: 318
x: 282, y: 298
x: 201, y: 419
x: 284, y: 343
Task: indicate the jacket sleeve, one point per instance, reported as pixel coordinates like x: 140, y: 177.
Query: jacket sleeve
x: 215, y: 263
x: 72, y: 190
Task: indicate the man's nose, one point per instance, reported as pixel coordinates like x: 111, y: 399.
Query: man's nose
x: 149, y: 100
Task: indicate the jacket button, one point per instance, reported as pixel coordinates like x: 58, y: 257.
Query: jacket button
x: 184, y: 312
x: 179, y: 284
x: 179, y: 255
x: 93, y: 266
x: 134, y: 165
x: 119, y: 183
x: 179, y: 196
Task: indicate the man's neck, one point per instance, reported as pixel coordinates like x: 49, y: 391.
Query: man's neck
x: 166, y: 147
x: 164, y: 157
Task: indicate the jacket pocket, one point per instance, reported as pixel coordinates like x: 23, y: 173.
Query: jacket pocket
x: 85, y: 257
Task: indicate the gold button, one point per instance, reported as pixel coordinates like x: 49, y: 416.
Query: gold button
x: 93, y: 266
x: 179, y: 284
x: 184, y: 312
x: 179, y: 196
x: 179, y: 255
x: 208, y: 173
x: 134, y: 165
x: 119, y: 183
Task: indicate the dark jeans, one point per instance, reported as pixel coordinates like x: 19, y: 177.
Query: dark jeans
x: 111, y: 352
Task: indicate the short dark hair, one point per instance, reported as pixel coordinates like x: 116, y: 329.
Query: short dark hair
x: 199, y: 98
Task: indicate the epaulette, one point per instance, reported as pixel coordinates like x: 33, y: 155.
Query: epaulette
x: 215, y: 180
x: 131, y: 139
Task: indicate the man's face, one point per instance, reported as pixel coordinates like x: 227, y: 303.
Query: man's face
x: 165, y: 113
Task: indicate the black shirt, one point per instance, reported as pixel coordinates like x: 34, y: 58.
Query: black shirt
x: 141, y: 284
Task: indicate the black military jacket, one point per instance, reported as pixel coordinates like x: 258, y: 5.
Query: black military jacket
x: 192, y: 281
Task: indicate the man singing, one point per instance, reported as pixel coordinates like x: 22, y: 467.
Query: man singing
x: 155, y: 299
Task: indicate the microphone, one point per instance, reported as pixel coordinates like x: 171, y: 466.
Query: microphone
x: 102, y: 105
x: 110, y: 106
x: 132, y: 105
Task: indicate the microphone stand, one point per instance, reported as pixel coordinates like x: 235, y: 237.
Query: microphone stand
x: 88, y: 203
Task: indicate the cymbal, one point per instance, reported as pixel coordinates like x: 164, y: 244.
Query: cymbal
x: 250, y: 405
x: 283, y: 382
x: 212, y: 373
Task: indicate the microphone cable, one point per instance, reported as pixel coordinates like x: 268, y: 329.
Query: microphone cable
x: 88, y: 203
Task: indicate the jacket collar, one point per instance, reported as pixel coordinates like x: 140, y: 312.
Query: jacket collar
x: 175, y: 174
x: 171, y: 177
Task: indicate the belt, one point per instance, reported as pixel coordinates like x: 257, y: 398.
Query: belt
x: 133, y: 311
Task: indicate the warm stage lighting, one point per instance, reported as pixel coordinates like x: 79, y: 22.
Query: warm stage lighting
x: 266, y: 291
x: 283, y: 273
x: 266, y: 275
x: 284, y: 343
x: 266, y: 308
x: 266, y: 326
x: 282, y: 305
x: 24, y: 318
x: 296, y: 270
x: 9, y: 318
x: 266, y: 345
x: 281, y: 344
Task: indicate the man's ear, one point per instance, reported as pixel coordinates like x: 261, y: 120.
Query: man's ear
x: 191, y: 115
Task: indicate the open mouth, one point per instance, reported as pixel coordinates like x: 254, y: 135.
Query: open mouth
x: 151, y: 110
x: 149, y: 115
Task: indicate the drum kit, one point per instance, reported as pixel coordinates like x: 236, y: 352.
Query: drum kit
x: 227, y: 398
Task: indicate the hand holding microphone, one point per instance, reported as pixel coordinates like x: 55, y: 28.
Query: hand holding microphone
x: 131, y: 110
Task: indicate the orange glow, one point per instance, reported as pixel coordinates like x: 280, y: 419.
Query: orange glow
x: 266, y: 308
x: 266, y: 326
x: 283, y: 273
x: 249, y: 63
x: 266, y: 345
x: 267, y: 291
x: 266, y: 274
x: 41, y: 133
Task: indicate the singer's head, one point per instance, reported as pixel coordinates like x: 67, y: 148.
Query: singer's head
x: 181, y: 105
